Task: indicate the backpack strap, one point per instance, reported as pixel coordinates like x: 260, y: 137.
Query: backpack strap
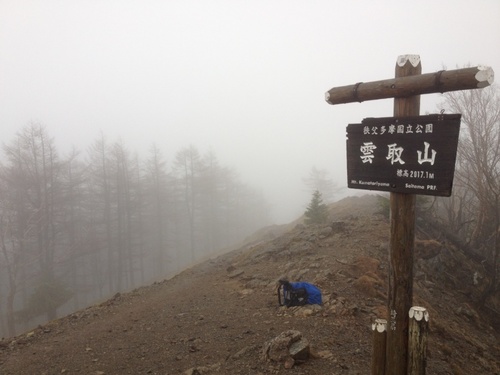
x: 283, y: 287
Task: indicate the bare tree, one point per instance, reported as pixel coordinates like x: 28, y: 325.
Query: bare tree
x: 74, y: 222
x: 476, y: 204
x: 125, y: 215
x: 12, y: 256
x: 156, y: 179
x: 100, y: 191
x: 34, y: 177
x: 211, y: 202
x: 13, y: 228
x: 187, y: 165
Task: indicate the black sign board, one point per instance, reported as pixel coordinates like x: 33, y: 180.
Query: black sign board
x: 414, y: 155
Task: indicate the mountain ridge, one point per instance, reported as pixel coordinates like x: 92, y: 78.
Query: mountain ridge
x: 218, y: 316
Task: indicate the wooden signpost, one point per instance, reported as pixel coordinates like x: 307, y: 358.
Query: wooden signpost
x: 405, y: 88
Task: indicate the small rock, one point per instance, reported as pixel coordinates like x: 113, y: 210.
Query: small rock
x: 325, y: 354
x: 289, y: 362
x: 235, y: 273
x: 325, y: 232
x: 338, y: 226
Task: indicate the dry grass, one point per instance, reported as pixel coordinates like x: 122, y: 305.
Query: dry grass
x: 426, y: 249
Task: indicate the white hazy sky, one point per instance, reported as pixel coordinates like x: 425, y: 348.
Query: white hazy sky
x: 245, y: 79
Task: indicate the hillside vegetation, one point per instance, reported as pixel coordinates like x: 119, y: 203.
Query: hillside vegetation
x: 221, y: 316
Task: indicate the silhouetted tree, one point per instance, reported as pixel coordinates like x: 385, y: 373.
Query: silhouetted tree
x: 211, y: 206
x: 102, y: 226
x: 188, y: 166
x: 74, y: 220
x: 14, y: 230
x: 156, y: 198
x: 122, y: 216
x: 34, y: 177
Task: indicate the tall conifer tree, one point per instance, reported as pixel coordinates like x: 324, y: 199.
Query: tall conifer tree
x: 317, y: 211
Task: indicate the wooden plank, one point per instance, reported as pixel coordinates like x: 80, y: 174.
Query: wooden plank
x: 406, y: 86
x: 412, y: 155
x: 379, y: 328
x: 417, y: 344
x: 401, y: 244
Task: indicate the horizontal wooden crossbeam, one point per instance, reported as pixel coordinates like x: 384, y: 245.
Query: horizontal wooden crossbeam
x: 442, y: 81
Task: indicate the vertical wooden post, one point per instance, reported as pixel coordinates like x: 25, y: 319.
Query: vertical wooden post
x: 401, y: 243
x: 379, y: 328
x: 417, y: 340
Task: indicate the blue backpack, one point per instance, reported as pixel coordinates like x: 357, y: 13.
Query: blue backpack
x: 298, y: 294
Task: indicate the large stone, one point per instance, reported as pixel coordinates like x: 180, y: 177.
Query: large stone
x: 287, y: 348
x: 300, y: 350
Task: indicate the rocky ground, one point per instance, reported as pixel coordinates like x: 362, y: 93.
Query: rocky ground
x: 222, y: 316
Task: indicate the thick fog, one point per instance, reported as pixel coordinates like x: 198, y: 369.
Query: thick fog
x: 243, y: 79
